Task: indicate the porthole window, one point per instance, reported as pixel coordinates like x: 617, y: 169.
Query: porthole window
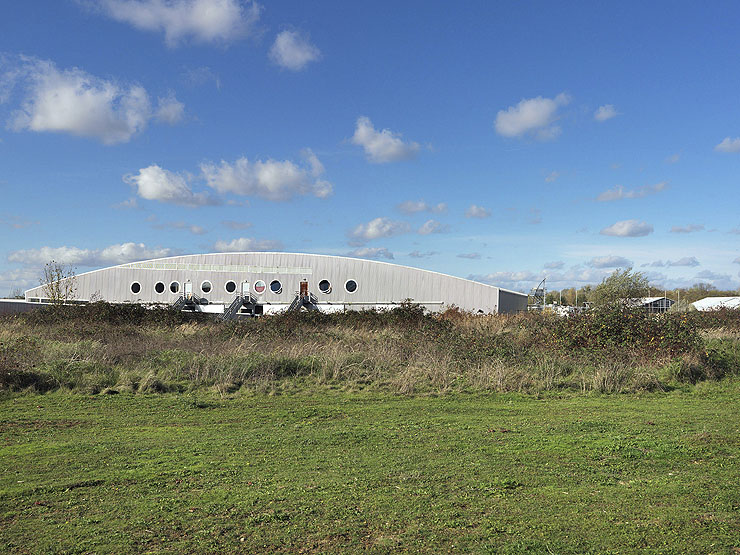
x: 276, y: 287
x: 259, y: 286
x: 350, y: 286
x: 159, y: 287
x: 136, y: 288
x: 230, y: 286
x: 206, y: 286
x: 325, y: 286
x: 174, y: 287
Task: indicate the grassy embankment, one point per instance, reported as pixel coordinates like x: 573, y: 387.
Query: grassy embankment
x: 301, y: 433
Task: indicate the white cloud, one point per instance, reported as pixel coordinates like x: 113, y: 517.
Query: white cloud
x: 470, y: 255
x: 112, y: 255
x: 556, y: 265
x: 685, y: 261
x: 605, y: 112
x: 673, y: 158
x: 418, y: 254
x: 532, y: 115
x: 382, y: 146
x: 374, y: 253
x: 728, y: 145
x: 170, y: 110
x: 201, y: 75
x: 475, y: 211
x: 247, y: 244
x: 628, y: 228
x: 293, y: 51
x: 155, y: 183
x: 736, y: 261
x: 271, y: 179
x: 231, y: 224
x: 433, y: 226
x: 506, y: 277
x: 414, y: 206
x: 16, y: 222
x: 552, y: 176
x: 218, y: 21
x: 73, y: 101
x: 377, y: 228
x: 128, y: 204
x: 610, y: 262
x: 691, y: 228
x: 619, y: 192
x: 194, y: 229
x: 712, y: 276
x: 19, y: 278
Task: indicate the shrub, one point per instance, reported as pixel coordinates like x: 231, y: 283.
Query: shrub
x: 620, y: 327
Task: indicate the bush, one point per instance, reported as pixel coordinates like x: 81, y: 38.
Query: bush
x: 619, y: 327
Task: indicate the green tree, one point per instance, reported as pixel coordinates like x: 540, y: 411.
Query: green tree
x: 622, y: 284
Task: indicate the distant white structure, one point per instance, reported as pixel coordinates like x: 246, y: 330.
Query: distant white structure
x: 274, y: 281
x: 715, y: 303
x: 652, y: 304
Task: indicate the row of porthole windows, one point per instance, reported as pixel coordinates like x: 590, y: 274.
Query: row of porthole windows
x: 259, y: 287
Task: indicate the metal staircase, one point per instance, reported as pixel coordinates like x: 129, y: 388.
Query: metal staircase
x: 180, y: 303
x: 248, y: 301
x: 310, y: 301
x: 185, y: 303
x: 231, y: 311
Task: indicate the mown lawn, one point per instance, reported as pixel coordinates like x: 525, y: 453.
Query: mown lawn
x: 347, y: 472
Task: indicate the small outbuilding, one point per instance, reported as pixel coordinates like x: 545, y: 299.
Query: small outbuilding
x: 652, y: 304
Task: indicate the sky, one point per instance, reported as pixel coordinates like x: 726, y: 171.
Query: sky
x: 504, y: 142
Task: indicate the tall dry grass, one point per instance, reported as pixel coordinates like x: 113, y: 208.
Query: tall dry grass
x: 404, y: 351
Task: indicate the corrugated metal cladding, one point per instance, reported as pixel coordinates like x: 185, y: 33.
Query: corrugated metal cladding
x: 378, y: 283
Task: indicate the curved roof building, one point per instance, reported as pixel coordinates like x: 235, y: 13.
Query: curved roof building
x: 273, y: 281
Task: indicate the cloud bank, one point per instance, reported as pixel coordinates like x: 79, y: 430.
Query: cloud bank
x: 112, y: 255
x: 75, y: 102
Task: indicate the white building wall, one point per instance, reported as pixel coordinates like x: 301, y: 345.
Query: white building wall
x: 379, y: 283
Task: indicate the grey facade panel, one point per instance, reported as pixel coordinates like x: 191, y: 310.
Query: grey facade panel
x: 511, y: 302
x: 378, y: 283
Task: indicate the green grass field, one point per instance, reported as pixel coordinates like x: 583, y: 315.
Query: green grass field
x: 348, y: 472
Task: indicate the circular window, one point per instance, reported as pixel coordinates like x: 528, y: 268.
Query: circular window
x: 325, y: 286
x: 350, y: 286
x: 159, y: 287
x: 230, y: 286
x: 259, y: 286
x: 206, y: 286
x: 174, y: 287
x: 276, y: 287
x: 136, y: 288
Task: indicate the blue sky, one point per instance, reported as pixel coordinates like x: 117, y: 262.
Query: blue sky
x: 501, y: 141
